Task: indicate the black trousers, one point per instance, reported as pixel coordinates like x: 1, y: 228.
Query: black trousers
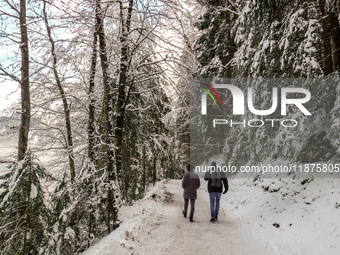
x: 192, y: 206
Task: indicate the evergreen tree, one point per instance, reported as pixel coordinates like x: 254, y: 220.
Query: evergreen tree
x: 216, y: 47
x: 273, y: 40
x: 146, y: 133
x: 80, y: 211
x: 24, y: 216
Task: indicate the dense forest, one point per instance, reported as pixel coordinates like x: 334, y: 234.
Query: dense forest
x: 105, y: 91
x: 270, y: 44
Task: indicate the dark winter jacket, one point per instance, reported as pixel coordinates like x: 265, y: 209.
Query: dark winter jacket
x: 224, y: 180
x: 190, y: 184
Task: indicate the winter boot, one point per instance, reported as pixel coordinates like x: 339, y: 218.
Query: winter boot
x: 184, y: 214
x: 191, y: 219
x: 216, y: 218
x: 212, y: 220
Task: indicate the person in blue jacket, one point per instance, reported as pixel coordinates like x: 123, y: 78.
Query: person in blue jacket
x: 216, y: 180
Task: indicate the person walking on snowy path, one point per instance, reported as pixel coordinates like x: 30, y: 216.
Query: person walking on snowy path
x: 190, y: 184
x: 215, y: 178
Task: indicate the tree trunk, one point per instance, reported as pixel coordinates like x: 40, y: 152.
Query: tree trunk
x: 335, y: 41
x: 135, y: 181
x: 106, y: 107
x: 25, y: 90
x: 107, y: 111
x: 154, y: 170
x: 230, y: 55
x: 326, y: 42
x: 122, y: 85
x: 27, y: 223
x: 90, y: 230
x: 63, y: 97
x: 90, y: 129
x: 144, y: 159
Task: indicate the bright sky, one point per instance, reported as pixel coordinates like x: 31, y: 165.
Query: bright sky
x: 9, y: 93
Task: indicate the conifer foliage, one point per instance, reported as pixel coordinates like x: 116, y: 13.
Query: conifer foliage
x: 79, y: 210
x: 275, y: 39
x: 109, y: 87
x: 24, y: 216
x: 215, y: 46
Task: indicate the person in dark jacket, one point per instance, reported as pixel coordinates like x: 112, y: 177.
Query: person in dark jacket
x: 190, y: 184
x: 215, y: 178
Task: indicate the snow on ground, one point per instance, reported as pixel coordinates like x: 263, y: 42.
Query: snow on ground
x: 294, y: 216
x: 263, y: 216
x: 155, y: 225
x: 258, y: 216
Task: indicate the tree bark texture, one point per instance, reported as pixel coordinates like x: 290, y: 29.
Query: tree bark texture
x: 107, y: 115
x: 25, y: 84
x: 125, y: 24
x: 154, y: 170
x: 144, y: 160
x: 335, y: 40
x: 91, y: 129
x: 326, y: 42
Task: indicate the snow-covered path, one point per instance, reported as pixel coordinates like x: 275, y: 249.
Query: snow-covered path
x: 160, y: 228
x: 176, y: 235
